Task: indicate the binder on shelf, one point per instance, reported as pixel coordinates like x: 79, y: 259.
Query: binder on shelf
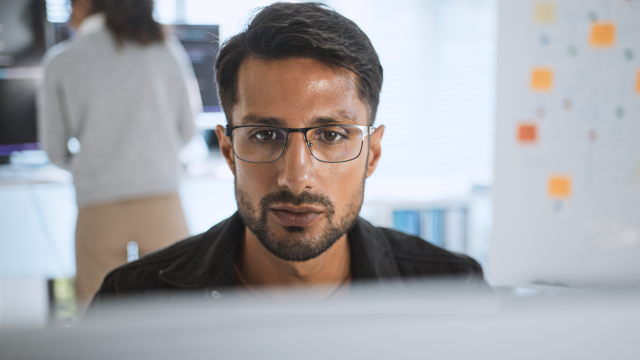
x: 407, y: 221
x: 433, y: 226
x: 444, y: 227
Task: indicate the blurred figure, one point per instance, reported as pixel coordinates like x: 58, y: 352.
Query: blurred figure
x: 116, y: 107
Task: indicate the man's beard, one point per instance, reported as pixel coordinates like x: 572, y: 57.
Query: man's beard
x: 296, y: 245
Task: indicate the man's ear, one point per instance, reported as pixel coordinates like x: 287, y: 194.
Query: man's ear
x: 226, y: 148
x: 375, y: 150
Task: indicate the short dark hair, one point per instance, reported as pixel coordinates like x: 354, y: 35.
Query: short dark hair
x: 130, y: 20
x: 311, y: 30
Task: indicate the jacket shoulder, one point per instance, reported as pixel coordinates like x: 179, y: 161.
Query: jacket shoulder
x: 417, y: 257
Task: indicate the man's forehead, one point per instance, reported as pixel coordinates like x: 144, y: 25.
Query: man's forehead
x: 301, y: 91
x: 316, y: 71
x: 341, y: 117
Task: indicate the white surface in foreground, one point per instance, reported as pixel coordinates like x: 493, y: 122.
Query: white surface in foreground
x: 427, y: 323
x: 23, y: 303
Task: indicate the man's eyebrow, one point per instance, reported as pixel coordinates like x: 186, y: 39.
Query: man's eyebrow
x: 337, y: 118
x: 253, y: 119
x: 340, y: 117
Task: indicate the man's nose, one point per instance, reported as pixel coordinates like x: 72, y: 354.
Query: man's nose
x: 297, y: 172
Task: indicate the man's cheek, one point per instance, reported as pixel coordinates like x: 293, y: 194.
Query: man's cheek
x: 346, y: 174
x: 338, y: 172
x: 342, y: 183
x: 253, y: 178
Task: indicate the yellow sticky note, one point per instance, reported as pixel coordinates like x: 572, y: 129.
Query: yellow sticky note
x: 603, y: 34
x: 542, y: 79
x: 545, y: 13
x: 559, y: 186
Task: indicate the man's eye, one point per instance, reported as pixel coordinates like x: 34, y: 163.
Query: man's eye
x: 331, y: 136
x: 266, y: 135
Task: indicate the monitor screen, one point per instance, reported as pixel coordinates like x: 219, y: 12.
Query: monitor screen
x: 22, y: 45
x: 17, y: 115
x: 201, y: 43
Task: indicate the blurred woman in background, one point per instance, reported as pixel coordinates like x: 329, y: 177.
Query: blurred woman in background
x: 116, y: 106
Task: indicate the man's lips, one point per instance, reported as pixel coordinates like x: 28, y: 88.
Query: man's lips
x: 290, y: 215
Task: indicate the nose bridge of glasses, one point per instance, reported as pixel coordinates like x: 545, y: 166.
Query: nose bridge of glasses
x: 303, y: 133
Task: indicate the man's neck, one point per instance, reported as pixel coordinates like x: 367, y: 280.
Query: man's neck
x: 261, y: 268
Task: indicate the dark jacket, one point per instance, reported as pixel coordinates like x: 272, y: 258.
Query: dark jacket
x: 205, y: 262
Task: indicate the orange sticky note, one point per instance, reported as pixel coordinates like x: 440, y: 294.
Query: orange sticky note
x: 603, y: 34
x: 545, y: 13
x: 559, y: 186
x: 527, y: 133
x: 638, y: 83
x: 542, y: 79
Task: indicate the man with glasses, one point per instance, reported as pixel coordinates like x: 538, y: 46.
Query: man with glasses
x: 300, y: 89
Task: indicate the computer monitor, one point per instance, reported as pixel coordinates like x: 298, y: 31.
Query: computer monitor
x: 201, y: 43
x: 23, y: 44
x: 17, y: 115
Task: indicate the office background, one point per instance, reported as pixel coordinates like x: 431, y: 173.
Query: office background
x: 434, y: 177
x: 463, y: 86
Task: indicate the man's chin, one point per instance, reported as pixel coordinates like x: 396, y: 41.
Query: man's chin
x: 295, y: 229
x: 298, y: 243
x: 280, y: 230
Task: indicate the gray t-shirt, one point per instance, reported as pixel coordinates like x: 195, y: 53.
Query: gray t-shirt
x: 132, y: 108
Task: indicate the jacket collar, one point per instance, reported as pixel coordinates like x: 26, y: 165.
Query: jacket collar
x: 371, y: 255
x: 209, y: 262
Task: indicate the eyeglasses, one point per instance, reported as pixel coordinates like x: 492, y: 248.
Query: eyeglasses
x: 330, y: 144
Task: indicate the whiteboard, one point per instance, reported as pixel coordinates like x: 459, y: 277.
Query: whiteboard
x: 567, y: 156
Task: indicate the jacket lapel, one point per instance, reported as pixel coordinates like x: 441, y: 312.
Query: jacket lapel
x: 209, y: 263
x: 371, y: 255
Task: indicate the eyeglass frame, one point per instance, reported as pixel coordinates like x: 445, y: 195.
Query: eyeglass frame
x: 228, y: 131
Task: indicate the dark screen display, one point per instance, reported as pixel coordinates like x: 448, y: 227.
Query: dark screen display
x: 17, y: 111
x: 201, y: 43
x: 22, y: 35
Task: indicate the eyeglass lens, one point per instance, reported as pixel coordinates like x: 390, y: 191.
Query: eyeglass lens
x: 328, y: 143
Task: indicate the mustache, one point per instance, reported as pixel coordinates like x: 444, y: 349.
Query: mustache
x: 287, y: 197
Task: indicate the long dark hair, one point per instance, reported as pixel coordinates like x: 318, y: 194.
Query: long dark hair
x: 130, y: 20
